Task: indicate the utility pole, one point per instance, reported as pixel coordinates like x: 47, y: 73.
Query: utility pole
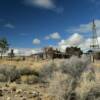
x: 94, y: 41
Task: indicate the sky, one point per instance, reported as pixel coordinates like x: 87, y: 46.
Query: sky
x: 32, y: 24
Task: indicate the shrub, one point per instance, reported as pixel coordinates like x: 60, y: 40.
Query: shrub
x: 58, y: 86
x: 12, y: 73
x: 31, y: 79
x: 9, y: 72
x: 24, y: 79
x: 74, y: 66
x: 3, y: 78
x: 27, y: 71
x: 46, y: 72
x: 85, y: 85
x: 64, y: 77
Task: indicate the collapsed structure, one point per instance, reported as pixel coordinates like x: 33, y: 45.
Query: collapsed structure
x: 51, y: 53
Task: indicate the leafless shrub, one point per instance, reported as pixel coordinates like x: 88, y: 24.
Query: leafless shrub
x: 9, y: 72
x: 58, y: 85
x: 27, y: 71
x: 64, y: 77
x: 3, y: 78
x: 12, y: 73
x: 74, y: 66
x: 85, y: 85
x: 46, y: 72
x: 29, y: 79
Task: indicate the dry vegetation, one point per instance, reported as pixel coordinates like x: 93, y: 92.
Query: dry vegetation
x: 29, y: 62
x: 70, y: 79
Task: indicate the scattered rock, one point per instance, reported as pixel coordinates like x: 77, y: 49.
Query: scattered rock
x: 25, y: 92
x: 19, y: 91
x: 16, y: 95
x: 21, y: 95
x: 6, y: 85
x: 13, y: 88
x: 35, y: 94
x: 5, y: 89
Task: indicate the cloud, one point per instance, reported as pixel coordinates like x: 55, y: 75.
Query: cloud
x: 79, y: 40
x: 47, y: 37
x: 36, y: 41
x: 54, y: 36
x: 46, y: 4
x: 76, y: 40
x: 8, y: 25
x: 85, y: 28
x: 24, y: 51
x: 73, y: 40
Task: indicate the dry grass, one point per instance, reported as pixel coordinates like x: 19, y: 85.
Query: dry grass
x: 27, y: 63
x: 97, y: 63
x: 59, y: 74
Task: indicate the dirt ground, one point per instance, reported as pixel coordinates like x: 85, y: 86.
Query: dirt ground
x: 22, y: 92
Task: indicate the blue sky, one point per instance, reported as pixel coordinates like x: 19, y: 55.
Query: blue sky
x: 39, y: 23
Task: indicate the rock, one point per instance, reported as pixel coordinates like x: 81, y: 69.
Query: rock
x: 35, y: 94
x: 16, y: 95
x: 4, y: 89
x: 6, y: 85
x: 13, y: 88
x: 21, y: 95
x: 19, y: 91
x: 25, y: 92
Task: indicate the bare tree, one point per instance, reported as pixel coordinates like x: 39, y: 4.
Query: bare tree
x: 4, y: 46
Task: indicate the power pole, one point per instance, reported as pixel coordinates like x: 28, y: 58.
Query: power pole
x: 94, y: 41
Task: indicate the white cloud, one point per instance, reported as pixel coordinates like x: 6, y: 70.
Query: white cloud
x: 24, y: 51
x: 36, y: 41
x: 86, y: 44
x: 47, y: 4
x: 47, y: 37
x: 76, y: 40
x: 54, y: 36
x: 8, y: 25
x: 85, y: 28
x: 73, y: 40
